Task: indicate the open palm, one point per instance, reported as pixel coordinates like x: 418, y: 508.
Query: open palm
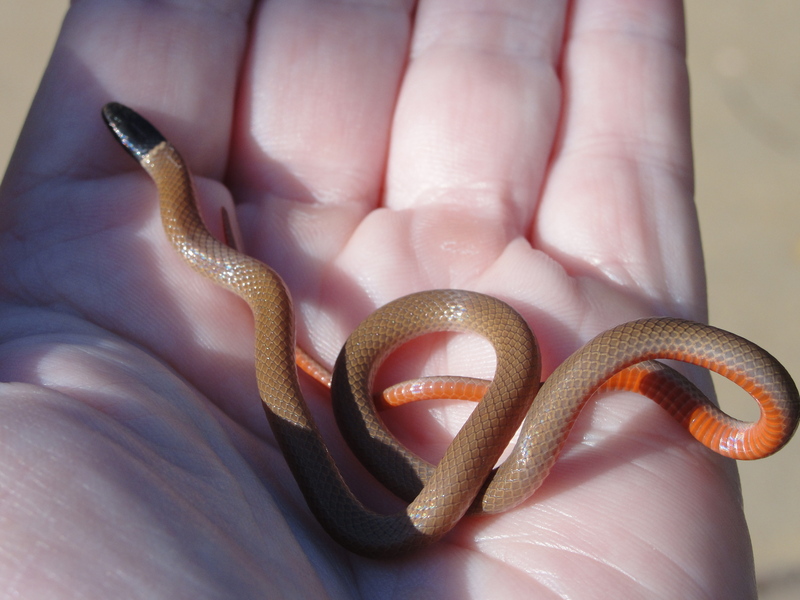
x: 535, y: 151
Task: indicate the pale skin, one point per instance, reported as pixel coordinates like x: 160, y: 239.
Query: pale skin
x: 535, y: 151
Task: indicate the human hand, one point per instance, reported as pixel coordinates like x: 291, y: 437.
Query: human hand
x: 538, y: 156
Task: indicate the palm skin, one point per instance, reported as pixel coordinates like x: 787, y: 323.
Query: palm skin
x: 538, y: 152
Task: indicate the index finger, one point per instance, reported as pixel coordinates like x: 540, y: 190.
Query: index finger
x: 176, y: 64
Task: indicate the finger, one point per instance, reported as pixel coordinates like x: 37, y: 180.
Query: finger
x: 93, y: 245
x: 165, y: 60
x: 318, y: 93
x: 320, y: 87
x: 477, y: 114
x: 618, y: 203
x: 177, y: 65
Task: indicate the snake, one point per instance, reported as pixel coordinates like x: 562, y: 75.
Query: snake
x: 465, y: 480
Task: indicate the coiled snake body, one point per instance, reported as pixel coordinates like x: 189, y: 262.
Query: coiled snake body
x: 621, y: 358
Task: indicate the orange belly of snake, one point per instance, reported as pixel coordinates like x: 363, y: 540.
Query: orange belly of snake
x: 622, y: 358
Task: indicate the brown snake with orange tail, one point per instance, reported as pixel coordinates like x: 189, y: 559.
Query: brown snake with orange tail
x: 439, y: 496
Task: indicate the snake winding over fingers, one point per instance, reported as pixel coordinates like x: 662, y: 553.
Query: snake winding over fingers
x: 619, y: 359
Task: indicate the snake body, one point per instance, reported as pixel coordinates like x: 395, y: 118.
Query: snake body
x: 438, y: 496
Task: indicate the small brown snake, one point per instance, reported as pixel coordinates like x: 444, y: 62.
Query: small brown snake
x: 439, y: 496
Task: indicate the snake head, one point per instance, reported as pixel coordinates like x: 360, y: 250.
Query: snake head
x: 136, y: 134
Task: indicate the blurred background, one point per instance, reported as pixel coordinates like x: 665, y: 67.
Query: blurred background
x: 744, y: 60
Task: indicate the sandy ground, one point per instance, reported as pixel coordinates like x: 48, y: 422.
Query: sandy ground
x: 744, y: 59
